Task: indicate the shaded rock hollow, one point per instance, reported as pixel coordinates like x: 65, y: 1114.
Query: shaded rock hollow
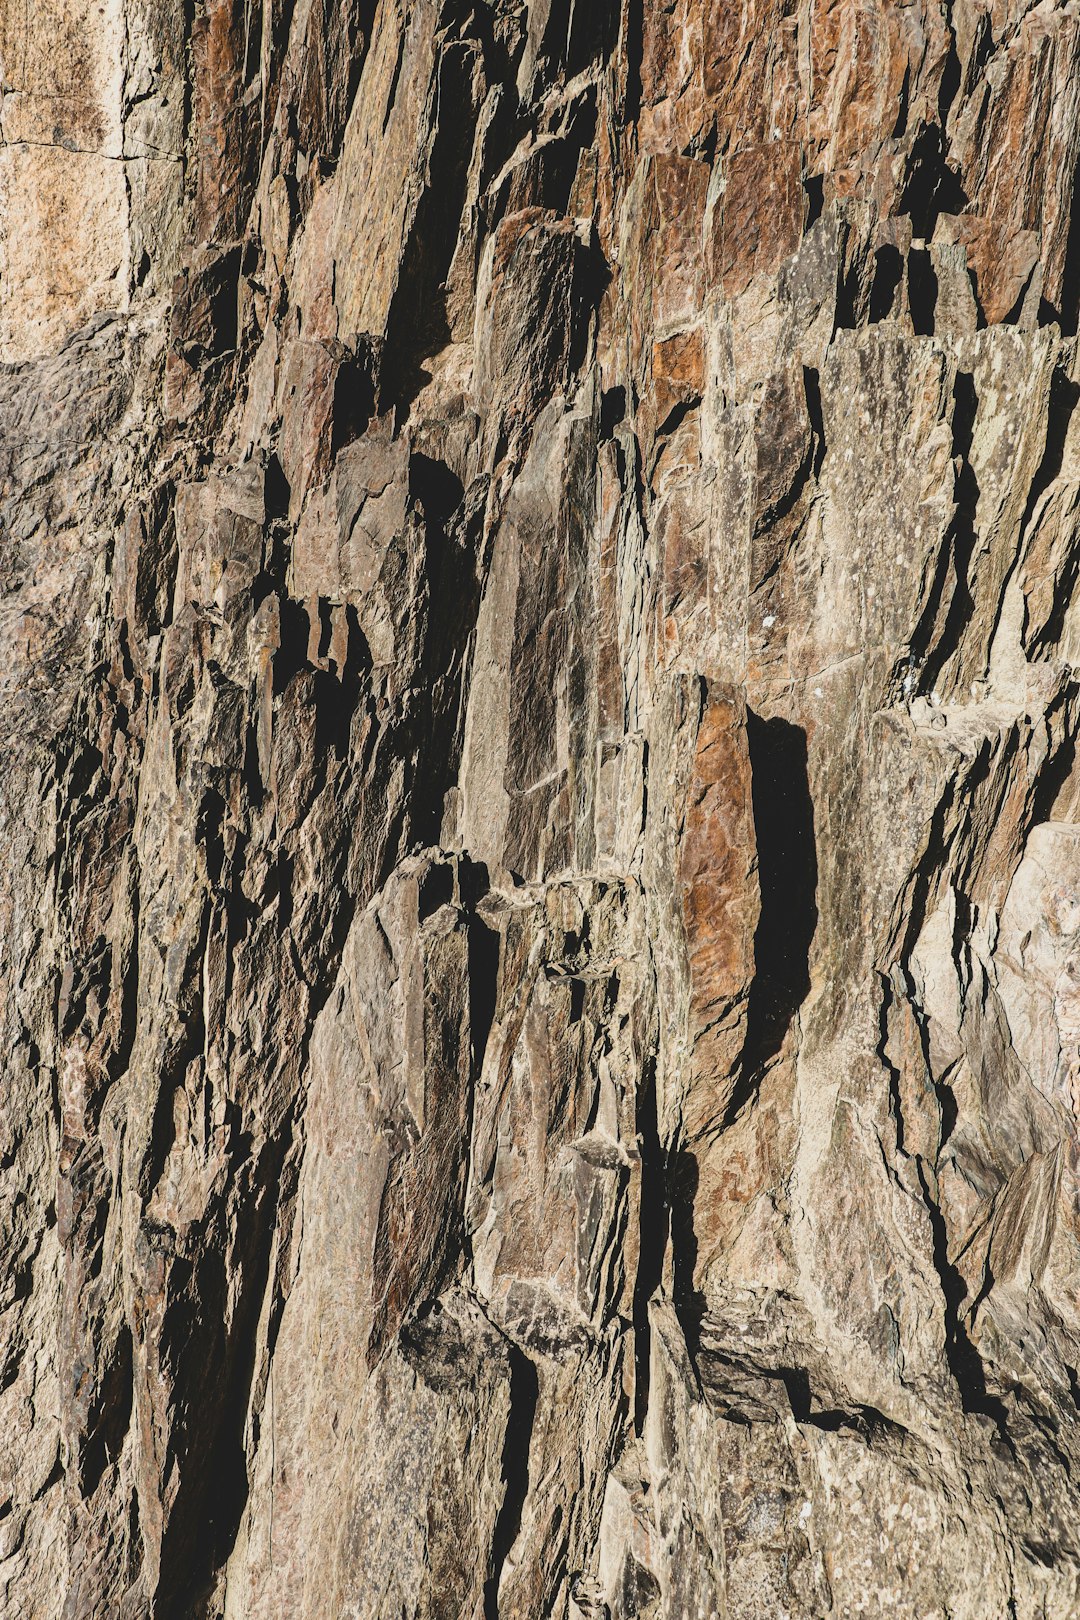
x: 541, y: 972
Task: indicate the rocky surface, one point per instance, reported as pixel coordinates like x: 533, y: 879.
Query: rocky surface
x: 541, y: 971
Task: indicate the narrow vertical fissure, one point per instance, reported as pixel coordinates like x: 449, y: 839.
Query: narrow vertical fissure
x: 787, y: 882
x: 524, y: 1394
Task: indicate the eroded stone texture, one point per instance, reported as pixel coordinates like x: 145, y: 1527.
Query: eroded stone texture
x: 541, y: 972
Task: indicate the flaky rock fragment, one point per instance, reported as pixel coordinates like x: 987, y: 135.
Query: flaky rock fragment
x: 541, y: 972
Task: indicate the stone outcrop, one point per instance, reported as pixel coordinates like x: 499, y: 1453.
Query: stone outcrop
x: 541, y: 919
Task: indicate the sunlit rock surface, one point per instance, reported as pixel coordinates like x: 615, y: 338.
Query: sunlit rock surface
x: 541, y: 910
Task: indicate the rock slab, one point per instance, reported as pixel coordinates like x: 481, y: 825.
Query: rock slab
x: 539, y: 699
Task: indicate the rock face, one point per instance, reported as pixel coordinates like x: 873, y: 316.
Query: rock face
x: 541, y: 920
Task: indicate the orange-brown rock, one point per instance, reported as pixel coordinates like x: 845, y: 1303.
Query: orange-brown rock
x: 541, y: 920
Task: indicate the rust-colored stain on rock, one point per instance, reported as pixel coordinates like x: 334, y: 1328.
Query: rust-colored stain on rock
x: 541, y: 920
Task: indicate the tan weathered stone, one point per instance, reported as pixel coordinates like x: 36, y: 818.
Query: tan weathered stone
x: 541, y: 929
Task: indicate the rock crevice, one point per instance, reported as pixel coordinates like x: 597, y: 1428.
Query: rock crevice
x: 542, y: 912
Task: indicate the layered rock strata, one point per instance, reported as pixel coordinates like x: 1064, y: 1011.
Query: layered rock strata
x: 541, y: 972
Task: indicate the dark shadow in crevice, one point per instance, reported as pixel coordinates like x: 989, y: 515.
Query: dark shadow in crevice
x: 634, y: 55
x: 949, y: 86
x: 435, y: 486
x: 965, y: 1362
x: 950, y: 1109
x: 277, y: 495
x: 1064, y: 395
x: 524, y: 1394
x: 212, y: 1396
x: 337, y: 694
x: 294, y: 631
x: 546, y: 177
x: 867, y: 1421
x: 355, y: 393
x: 812, y: 389
x: 653, y: 1227
x: 395, y: 79
x: 682, y: 1185
x: 814, y: 187
x: 922, y: 291
x: 981, y: 50
x: 900, y: 127
x: 591, y: 279
x: 1051, y: 779
x: 484, y: 953
x: 1016, y: 313
x: 612, y: 412
x: 888, y: 273
x: 337, y: 38
x: 431, y: 738
x: 851, y: 296
x: 895, y: 1098
x: 787, y: 878
x: 418, y: 326
x: 108, y: 1422
x: 1074, y: 1385
x: 677, y: 415
x: 591, y: 35
x: 1068, y: 314
x: 931, y: 187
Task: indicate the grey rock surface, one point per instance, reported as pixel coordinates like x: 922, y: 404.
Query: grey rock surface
x: 541, y: 920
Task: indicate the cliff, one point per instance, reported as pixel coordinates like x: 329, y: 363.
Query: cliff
x: 541, y: 911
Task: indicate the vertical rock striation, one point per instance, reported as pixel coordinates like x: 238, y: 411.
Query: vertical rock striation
x: 541, y: 920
